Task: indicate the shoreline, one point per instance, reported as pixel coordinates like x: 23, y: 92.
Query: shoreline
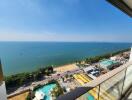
x: 30, y: 69
x: 66, y: 67
x: 54, y: 68
x: 70, y: 63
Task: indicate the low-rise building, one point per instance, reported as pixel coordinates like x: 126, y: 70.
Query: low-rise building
x: 114, y: 58
x: 88, y: 68
x: 109, y: 64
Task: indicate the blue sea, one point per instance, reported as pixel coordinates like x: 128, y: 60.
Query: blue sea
x: 19, y: 57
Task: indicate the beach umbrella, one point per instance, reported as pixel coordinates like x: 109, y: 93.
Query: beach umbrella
x: 39, y: 95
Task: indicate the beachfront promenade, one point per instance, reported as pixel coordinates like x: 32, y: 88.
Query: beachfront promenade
x: 46, y: 80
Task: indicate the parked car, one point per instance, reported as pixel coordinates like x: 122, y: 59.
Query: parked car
x: 96, y: 74
x: 89, y: 71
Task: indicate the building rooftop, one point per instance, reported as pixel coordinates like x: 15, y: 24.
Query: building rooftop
x: 107, y: 63
x: 88, y: 68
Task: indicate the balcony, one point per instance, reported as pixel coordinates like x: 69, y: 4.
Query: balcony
x: 114, y: 85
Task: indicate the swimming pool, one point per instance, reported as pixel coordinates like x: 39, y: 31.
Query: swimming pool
x: 90, y: 97
x: 46, y: 90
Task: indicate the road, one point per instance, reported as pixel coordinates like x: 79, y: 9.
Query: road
x: 53, y: 77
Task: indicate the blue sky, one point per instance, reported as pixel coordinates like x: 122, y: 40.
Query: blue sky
x: 63, y: 20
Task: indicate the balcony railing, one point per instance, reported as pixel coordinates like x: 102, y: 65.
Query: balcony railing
x: 110, y: 86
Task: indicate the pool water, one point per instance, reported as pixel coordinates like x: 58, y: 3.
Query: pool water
x: 90, y: 97
x: 46, y: 90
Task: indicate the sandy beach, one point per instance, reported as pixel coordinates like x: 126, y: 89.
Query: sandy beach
x: 65, y: 68
x: 22, y: 96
